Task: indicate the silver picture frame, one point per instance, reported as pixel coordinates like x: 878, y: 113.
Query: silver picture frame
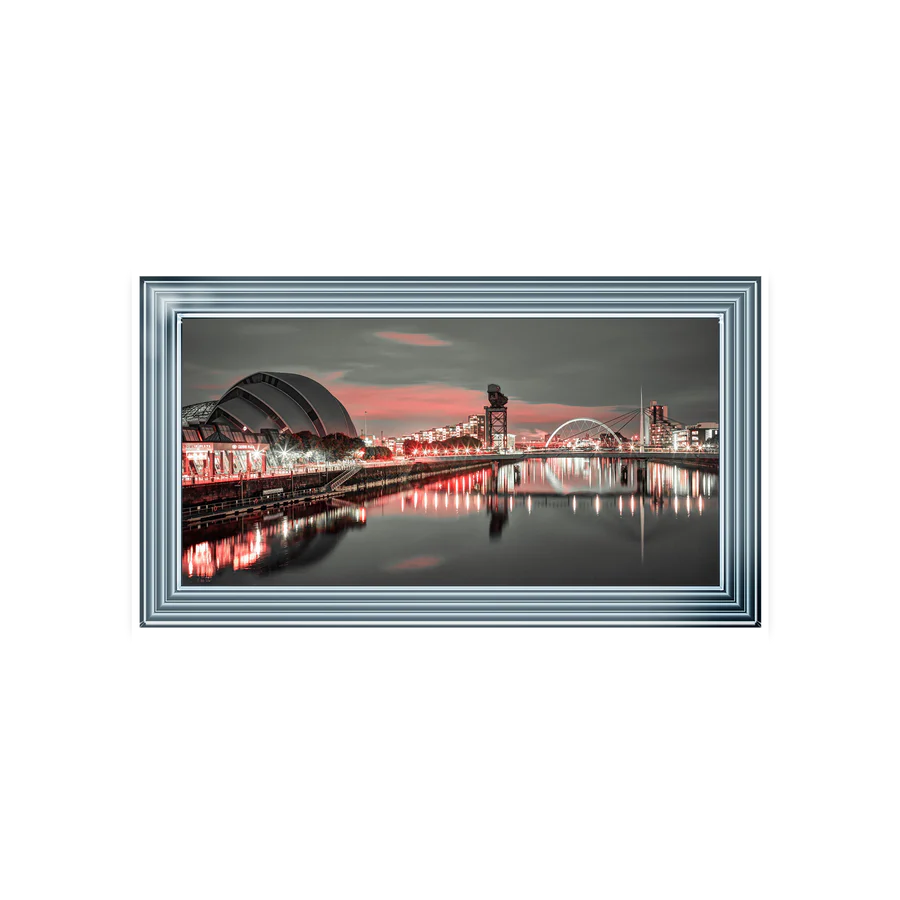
x: 165, y: 302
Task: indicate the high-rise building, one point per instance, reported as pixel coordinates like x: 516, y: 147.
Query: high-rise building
x: 475, y: 427
x: 660, y: 437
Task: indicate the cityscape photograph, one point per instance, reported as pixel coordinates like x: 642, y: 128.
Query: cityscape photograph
x: 570, y: 451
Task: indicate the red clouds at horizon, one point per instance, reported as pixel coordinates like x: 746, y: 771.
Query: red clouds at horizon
x: 417, y: 407
x: 424, y: 406
x: 417, y: 340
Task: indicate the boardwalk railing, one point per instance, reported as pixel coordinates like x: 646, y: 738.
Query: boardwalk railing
x: 271, y: 473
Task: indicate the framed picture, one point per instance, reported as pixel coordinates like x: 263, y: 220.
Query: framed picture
x: 450, y: 451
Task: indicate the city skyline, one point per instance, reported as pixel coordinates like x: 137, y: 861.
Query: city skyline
x: 404, y: 375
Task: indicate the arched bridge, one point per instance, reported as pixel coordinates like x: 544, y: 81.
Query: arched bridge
x: 582, y: 430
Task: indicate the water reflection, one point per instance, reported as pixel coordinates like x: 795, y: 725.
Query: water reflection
x: 278, y: 540
x: 300, y: 542
x: 499, y: 512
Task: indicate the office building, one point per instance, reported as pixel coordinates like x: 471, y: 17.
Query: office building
x: 660, y: 436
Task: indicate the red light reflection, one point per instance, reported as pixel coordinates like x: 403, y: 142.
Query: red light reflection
x: 247, y: 552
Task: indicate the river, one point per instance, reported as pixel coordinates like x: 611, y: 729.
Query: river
x: 547, y: 522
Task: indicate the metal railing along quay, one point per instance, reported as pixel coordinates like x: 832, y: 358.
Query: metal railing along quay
x: 212, y: 510
x: 217, y: 510
x: 319, y: 468
x: 271, y: 473
x: 202, y: 513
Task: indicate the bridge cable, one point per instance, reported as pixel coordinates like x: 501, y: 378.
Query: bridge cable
x: 608, y: 423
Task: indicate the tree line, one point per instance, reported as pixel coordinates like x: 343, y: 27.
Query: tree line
x: 290, y: 449
x: 410, y: 447
x: 304, y: 444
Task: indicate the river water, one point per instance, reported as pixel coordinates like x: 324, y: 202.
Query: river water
x: 544, y: 522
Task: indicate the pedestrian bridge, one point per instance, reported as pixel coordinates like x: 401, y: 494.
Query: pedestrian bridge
x: 583, y: 430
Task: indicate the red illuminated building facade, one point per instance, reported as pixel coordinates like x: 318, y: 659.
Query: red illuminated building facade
x: 211, y: 451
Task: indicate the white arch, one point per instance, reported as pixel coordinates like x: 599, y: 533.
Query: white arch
x: 582, y: 419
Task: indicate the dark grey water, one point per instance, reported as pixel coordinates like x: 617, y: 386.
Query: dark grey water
x: 563, y: 521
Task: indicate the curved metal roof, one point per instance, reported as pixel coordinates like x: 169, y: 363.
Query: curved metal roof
x: 328, y: 407
x: 284, y: 401
x: 271, y: 402
x: 245, y: 414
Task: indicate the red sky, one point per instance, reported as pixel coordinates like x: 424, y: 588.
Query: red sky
x: 403, y: 374
x: 447, y: 405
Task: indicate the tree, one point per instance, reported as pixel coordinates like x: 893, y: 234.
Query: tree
x: 466, y: 442
x: 308, y: 442
x: 339, y: 446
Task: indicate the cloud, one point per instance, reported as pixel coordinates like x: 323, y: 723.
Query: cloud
x: 536, y: 435
x: 417, y: 340
x: 427, y: 405
x: 587, y: 363
x: 432, y: 402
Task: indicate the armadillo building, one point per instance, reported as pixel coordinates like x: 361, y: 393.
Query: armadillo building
x: 231, y: 434
x: 283, y: 401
